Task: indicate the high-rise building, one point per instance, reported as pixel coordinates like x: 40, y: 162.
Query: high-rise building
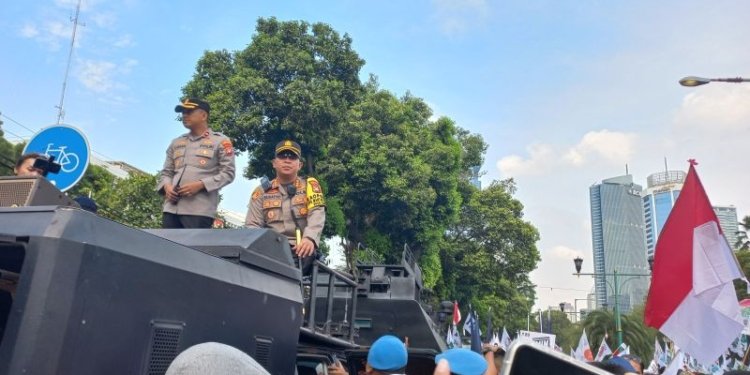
x: 728, y: 222
x: 617, y: 232
x: 474, y: 177
x: 661, y: 193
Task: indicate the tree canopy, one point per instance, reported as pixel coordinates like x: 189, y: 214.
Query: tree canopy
x: 294, y: 80
x: 393, y: 174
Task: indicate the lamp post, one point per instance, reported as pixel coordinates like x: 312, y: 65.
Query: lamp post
x: 692, y: 81
x: 578, y: 261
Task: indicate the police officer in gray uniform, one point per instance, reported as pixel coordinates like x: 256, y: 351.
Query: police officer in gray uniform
x: 290, y: 205
x: 198, y: 164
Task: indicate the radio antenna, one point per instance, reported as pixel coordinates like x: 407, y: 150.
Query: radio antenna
x: 61, y: 108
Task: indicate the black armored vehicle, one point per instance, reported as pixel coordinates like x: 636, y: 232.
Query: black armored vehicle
x: 81, y: 294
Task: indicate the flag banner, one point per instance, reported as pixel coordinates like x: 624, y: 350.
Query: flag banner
x: 691, y: 299
x: 476, y: 338
x: 505, y: 340
x: 449, y: 338
x: 544, y: 339
x: 658, y: 353
x: 676, y: 365
x: 457, y: 338
x: 496, y: 342
x: 603, y: 350
x: 621, y: 350
x: 583, y: 351
x: 456, y: 313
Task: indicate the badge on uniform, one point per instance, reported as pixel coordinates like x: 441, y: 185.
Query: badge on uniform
x: 228, y: 149
x: 314, y: 194
x: 257, y: 193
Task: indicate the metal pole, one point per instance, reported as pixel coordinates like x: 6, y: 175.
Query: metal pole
x: 541, y: 328
x: 61, y: 108
x: 618, y: 325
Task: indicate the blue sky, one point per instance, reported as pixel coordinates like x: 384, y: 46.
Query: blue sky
x: 565, y: 92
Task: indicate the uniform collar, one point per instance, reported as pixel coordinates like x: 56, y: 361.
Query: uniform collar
x: 298, y: 183
x: 206, y: 134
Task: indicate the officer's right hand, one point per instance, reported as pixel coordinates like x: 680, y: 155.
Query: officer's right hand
x: 305, y: 248
x: 337, y: 368
x: 171, y: 193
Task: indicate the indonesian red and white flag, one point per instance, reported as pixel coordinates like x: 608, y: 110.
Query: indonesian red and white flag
x: 583, y: 352
x: 603, y: 350
x: 692, y: 298
x: 456, y: 313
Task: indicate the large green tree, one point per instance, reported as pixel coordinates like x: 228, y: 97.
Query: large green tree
x: 395, y: 172
x: 488, y: 254
x: 293, y: 80
x: 9, y: 154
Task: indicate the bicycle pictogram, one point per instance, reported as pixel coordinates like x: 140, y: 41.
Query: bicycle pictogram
x: 68, y: 160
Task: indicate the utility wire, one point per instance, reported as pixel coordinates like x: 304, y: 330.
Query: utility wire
x: 104, y: 157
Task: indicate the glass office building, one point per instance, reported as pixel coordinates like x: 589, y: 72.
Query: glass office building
x: 617, y: 233
x: 661, y: 193
x: 727, y: 216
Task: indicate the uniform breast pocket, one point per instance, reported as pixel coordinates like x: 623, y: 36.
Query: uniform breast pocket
x: 178, y: 157
x: 205, y: 158
x: 272, y: 215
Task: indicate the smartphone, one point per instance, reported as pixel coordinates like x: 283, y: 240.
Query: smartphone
x: 527, y: 358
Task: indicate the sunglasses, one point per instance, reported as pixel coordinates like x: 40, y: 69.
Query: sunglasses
x: 287, y: 156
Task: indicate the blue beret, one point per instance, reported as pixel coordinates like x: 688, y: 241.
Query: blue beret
x: 622, y: 362
x: 387, y: 353
x: 463, y: 361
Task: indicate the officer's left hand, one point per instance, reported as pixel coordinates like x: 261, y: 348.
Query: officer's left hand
x: 190, y: 189
x: 305, y: 248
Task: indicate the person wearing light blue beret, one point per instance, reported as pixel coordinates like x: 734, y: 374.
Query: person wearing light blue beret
x: 463, y: 361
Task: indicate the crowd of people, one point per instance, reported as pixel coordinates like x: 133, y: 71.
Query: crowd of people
x: 388, y: 355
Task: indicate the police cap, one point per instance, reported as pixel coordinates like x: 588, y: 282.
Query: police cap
x: 192, y: 103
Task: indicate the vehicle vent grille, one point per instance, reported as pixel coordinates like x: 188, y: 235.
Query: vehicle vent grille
x: 164, y: 346
x: 263, y: 350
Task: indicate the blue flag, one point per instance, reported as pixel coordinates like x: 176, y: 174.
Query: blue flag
x: 476, y: 340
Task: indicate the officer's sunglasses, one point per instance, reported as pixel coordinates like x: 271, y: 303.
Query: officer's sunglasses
x: 287, y: 156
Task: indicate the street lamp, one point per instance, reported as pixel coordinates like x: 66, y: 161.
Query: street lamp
x: 578, y: 261
x: 692, y: 81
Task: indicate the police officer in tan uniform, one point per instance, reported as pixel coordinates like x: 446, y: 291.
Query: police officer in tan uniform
x: 290, y: 205
x: 198, y: 164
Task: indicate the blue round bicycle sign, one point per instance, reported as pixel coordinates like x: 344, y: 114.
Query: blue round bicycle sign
x: 70, y: 149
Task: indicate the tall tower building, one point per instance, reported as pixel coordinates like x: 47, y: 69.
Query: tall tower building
x: 617, y: 233
x: 661, y: 193
x: 728, y: 222
x: 474, y: 177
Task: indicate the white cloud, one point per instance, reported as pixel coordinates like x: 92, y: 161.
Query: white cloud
x: 615, y: 147
x: 124, y: 41
x: 595, y: 147
x: 541, y: 158
x: 71, y: 4
x: 128, y: 66
x: 29, y: 31
x: 716, y: 107
x: 97, y: 76
x: 104, y: 19
x: 564, y: 252
x: 457, y: 16
x: 53, y: 34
